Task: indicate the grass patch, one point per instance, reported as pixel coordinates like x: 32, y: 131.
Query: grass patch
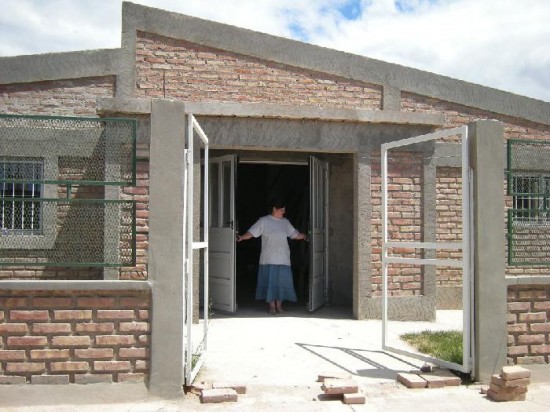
x: 445, y: 345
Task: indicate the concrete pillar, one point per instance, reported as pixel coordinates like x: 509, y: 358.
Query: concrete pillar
x: 362, y: 277
x: 487, y: 161
x: 166, y: 247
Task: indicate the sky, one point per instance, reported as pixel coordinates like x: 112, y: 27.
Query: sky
x: 504, y: 44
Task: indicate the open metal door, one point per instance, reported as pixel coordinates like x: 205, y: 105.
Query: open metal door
x: 196, y: 247
x: 318, y: 233
x: 401, y: 245
x: 222, y: 233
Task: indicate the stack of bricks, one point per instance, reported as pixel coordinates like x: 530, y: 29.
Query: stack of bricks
x: 218, y: 392
x: 510, y: 385
x: 436, y: 378
x: 341, y: 386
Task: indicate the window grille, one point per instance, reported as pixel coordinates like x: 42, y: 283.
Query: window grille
x: 19, y: 214
x: 531, y: 198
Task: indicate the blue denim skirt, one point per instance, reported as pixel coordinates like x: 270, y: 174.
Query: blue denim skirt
x: 275, y: 283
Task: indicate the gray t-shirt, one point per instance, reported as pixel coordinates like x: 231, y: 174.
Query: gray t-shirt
x: 274, y: 233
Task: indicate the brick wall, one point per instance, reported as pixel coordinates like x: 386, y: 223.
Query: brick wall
x: 177, y: 69
x: 59, y: 97
x: 74, y: 336
x: 404, y: 221
x: 529, y: 324
x: 449, y: 222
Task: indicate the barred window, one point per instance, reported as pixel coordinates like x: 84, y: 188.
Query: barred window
x: 531, y: 198
x: 20, y: 183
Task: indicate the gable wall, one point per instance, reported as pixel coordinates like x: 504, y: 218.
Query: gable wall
x: 177, y: 69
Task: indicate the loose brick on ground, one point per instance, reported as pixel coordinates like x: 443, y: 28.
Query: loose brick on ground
x: 499, y: 381
x: 433, y: 381
x: 515, y: 372
x: 354, y: 398
x: 411, y: 380
x: 197, y: 387
x: 505, y: 397
x: 218, y: 395
x: 339, y: 386
x: 450, y: 378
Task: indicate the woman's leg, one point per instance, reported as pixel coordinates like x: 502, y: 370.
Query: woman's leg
x: 272, y: 307
x: 279, y: 306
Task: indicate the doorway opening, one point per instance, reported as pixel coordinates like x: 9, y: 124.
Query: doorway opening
x: 257, y: 184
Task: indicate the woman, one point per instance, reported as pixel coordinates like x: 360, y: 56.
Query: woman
x: 275, y: 283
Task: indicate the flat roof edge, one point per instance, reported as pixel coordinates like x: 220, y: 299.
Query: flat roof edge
x: 58, y: 66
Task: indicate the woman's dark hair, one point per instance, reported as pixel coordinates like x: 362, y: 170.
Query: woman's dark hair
x: 277, y: 203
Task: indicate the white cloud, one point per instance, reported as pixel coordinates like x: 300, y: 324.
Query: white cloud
x: 503, y: 44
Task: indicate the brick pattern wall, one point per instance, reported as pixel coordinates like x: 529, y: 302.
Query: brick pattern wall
x: 56, y: 98
x: 528, y: 324
x: 74, y: 336
x: 405, y: 221
x: 139, y: 193
x: 449, y: 222
x: 177, y: 69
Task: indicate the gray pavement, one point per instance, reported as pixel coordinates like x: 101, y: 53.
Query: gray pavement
x: 279, y: 358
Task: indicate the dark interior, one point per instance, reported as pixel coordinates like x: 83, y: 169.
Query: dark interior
x: 257, y: 184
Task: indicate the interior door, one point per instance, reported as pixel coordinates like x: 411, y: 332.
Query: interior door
x: 318, y: 233
x: 222, y: 232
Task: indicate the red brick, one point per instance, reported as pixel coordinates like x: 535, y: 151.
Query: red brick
x: 530, y: 339
x: 134, y: 327
x: 533, y: 317
x: 134, y: 303
x: 71, y: 341
x: 73, y: 315
x: 142, y: 365
x: 540, y: 327
x: 48, y: 328
x: 52, y: 302
x: 112, y: 340
x: 1, y: 315
x: 532, y: 294
x: 43, y: 354
x: 132, y: 353
x: 540, y: 349
x: 27, y: 341
x: 69, y: 366
x: 131, y: 377
x: 95, y: 302
x: 25, y: 367
x: 218, y: 395
x: 13, y: 303
x: 112, y: 366
x: 542, y: 305
x: 12, y: 328
x: 518, y: 350
x: 143, y: 314
x: 104, y: 327
x: 12, y: 355
x: 519, y: 306
x: 94, y: 353
x: 115, y: 314
x: 519, y: 327
x: 33, y: 315
x: 339, y: 386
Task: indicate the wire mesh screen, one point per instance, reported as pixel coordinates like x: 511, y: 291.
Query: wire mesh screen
x: 88, y: 150
x: 529, y: 217
x: 71, y: 232
x: 58, y: 197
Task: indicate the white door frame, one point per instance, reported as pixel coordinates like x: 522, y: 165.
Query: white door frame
x: 466, y: 246
x: 194, y: 356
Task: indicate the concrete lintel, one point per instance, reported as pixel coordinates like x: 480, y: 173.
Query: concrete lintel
x: 74, y: 285
x: 527, y: 280
x: 311, y: 112
x: 124, y: 105
x: 55, y: 66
